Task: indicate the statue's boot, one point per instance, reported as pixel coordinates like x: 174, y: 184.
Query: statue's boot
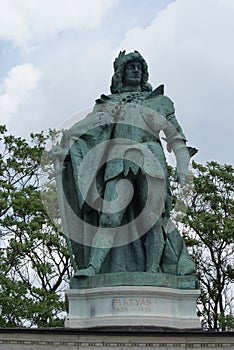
x: 154, y: 246
x: 102, y: 243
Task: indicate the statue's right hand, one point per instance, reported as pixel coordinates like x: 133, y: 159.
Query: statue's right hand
x: 182, y: 179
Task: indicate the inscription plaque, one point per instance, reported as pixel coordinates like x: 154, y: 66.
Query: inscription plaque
x: 132, y: 304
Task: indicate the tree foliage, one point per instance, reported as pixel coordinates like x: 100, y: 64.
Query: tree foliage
x: 208, y: 228
x: 34, y: 262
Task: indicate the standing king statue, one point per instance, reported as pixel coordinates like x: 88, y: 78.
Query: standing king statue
x: 114, y: 195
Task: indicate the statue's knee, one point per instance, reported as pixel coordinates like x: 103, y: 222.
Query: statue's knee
x: 109, y: 220
x: 153, y: 217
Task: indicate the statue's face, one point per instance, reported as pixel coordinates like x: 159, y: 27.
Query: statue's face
x: 132, y: 74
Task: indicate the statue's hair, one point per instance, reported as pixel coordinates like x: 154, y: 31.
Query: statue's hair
x: 119, y: 68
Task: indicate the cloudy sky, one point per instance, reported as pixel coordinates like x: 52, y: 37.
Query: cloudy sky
x: 57, y: 55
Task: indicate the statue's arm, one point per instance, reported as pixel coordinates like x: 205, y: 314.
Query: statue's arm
x: 89, y: 128
x: 182, y: 160
x: 176, y: 142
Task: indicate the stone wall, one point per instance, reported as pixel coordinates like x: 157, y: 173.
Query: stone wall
x: 63, y: 339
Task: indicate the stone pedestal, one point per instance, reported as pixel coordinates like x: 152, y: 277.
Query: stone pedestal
x: 145, y: 306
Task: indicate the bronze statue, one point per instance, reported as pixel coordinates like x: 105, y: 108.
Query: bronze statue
x: 116, y: 194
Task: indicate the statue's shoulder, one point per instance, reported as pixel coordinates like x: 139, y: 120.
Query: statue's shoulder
x: 154, y: 99
x: 105, y: 98
x: 157, y: 100
x: 159, y: 91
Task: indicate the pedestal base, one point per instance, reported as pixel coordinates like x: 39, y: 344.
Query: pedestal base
x: 132, y: 306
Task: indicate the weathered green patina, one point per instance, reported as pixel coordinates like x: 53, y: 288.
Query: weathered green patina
x: 116, y: 199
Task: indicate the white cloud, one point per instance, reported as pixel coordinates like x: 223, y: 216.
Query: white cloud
x: 72, y: 80
x: 16, y: 88
x: 190, y: 48
x: 24, y: 22
x: 21, y: 79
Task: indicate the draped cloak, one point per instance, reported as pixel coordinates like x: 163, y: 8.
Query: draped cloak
x: 94, y: 156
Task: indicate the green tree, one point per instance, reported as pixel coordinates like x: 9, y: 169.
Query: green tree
x: 208, y: 228
x: 34, y: 262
